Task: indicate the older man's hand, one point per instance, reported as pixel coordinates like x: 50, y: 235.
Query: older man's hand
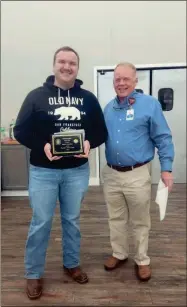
x: 167, y: 178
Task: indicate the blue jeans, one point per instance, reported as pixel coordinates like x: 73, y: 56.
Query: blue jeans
x: 45, y: 187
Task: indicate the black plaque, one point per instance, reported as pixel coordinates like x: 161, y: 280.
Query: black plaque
x: 68, y: 143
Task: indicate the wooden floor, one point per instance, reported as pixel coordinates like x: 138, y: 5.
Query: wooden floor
x: 167, y: 249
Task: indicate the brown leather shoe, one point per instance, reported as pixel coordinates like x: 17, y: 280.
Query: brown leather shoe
x: 143, y: 272
x: 34, y: 288
x: 76, y: 274
x: 112, y: 263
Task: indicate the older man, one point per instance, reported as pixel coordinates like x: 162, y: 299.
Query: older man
x: 136, y: 125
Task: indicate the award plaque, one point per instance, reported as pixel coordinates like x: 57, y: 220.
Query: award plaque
x: 68, y: 143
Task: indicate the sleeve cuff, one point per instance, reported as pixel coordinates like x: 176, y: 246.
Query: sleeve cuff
x: 166, y: 166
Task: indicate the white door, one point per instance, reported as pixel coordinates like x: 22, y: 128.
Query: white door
x: 106, y: 93
x: 176, y: 118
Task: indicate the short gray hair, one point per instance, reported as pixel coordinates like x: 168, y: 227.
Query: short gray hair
x: 126, y: 64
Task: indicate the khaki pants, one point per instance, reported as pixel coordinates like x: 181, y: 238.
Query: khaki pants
x: 128, y: 197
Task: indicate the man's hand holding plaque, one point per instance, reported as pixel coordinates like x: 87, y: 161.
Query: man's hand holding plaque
x: 70, y: 143
x: 47, y: 150
x: 86, y: 150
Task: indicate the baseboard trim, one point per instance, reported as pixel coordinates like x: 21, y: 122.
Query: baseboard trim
x: 14, y: 193
x: 92, y: 182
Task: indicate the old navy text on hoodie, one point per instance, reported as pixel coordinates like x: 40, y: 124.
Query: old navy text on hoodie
x: 49, y: 109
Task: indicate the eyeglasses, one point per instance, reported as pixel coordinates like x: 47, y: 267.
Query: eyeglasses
x: 119, y: 108
x: 131, y: 101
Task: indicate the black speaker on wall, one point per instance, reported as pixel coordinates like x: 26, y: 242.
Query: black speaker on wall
x: 166, y: 97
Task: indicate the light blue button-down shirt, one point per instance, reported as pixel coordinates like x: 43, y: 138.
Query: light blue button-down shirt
x: 134, y: 141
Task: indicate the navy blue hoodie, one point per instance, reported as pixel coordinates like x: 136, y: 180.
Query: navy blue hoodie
x: 49, y: 109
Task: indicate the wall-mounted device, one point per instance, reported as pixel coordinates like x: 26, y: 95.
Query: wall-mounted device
x: 166, y: 97
x: 139, y: 90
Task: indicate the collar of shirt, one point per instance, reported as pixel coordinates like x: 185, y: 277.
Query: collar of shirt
x: 127, y: 102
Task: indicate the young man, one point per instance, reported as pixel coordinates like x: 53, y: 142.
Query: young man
x: 58, y: 105
x: 136, y: 125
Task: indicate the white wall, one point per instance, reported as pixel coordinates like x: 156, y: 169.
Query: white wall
x: 103, y: 33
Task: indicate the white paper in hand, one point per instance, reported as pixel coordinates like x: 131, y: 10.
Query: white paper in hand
x: 162, y: 198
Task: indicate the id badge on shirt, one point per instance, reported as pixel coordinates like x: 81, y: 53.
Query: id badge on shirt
x: 130, y: 114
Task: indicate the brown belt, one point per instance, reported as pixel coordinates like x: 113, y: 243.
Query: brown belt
x: 126, y: 168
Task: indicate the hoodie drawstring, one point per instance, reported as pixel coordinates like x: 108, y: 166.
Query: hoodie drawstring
x: 60, y: 96
x: 58, y: 93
